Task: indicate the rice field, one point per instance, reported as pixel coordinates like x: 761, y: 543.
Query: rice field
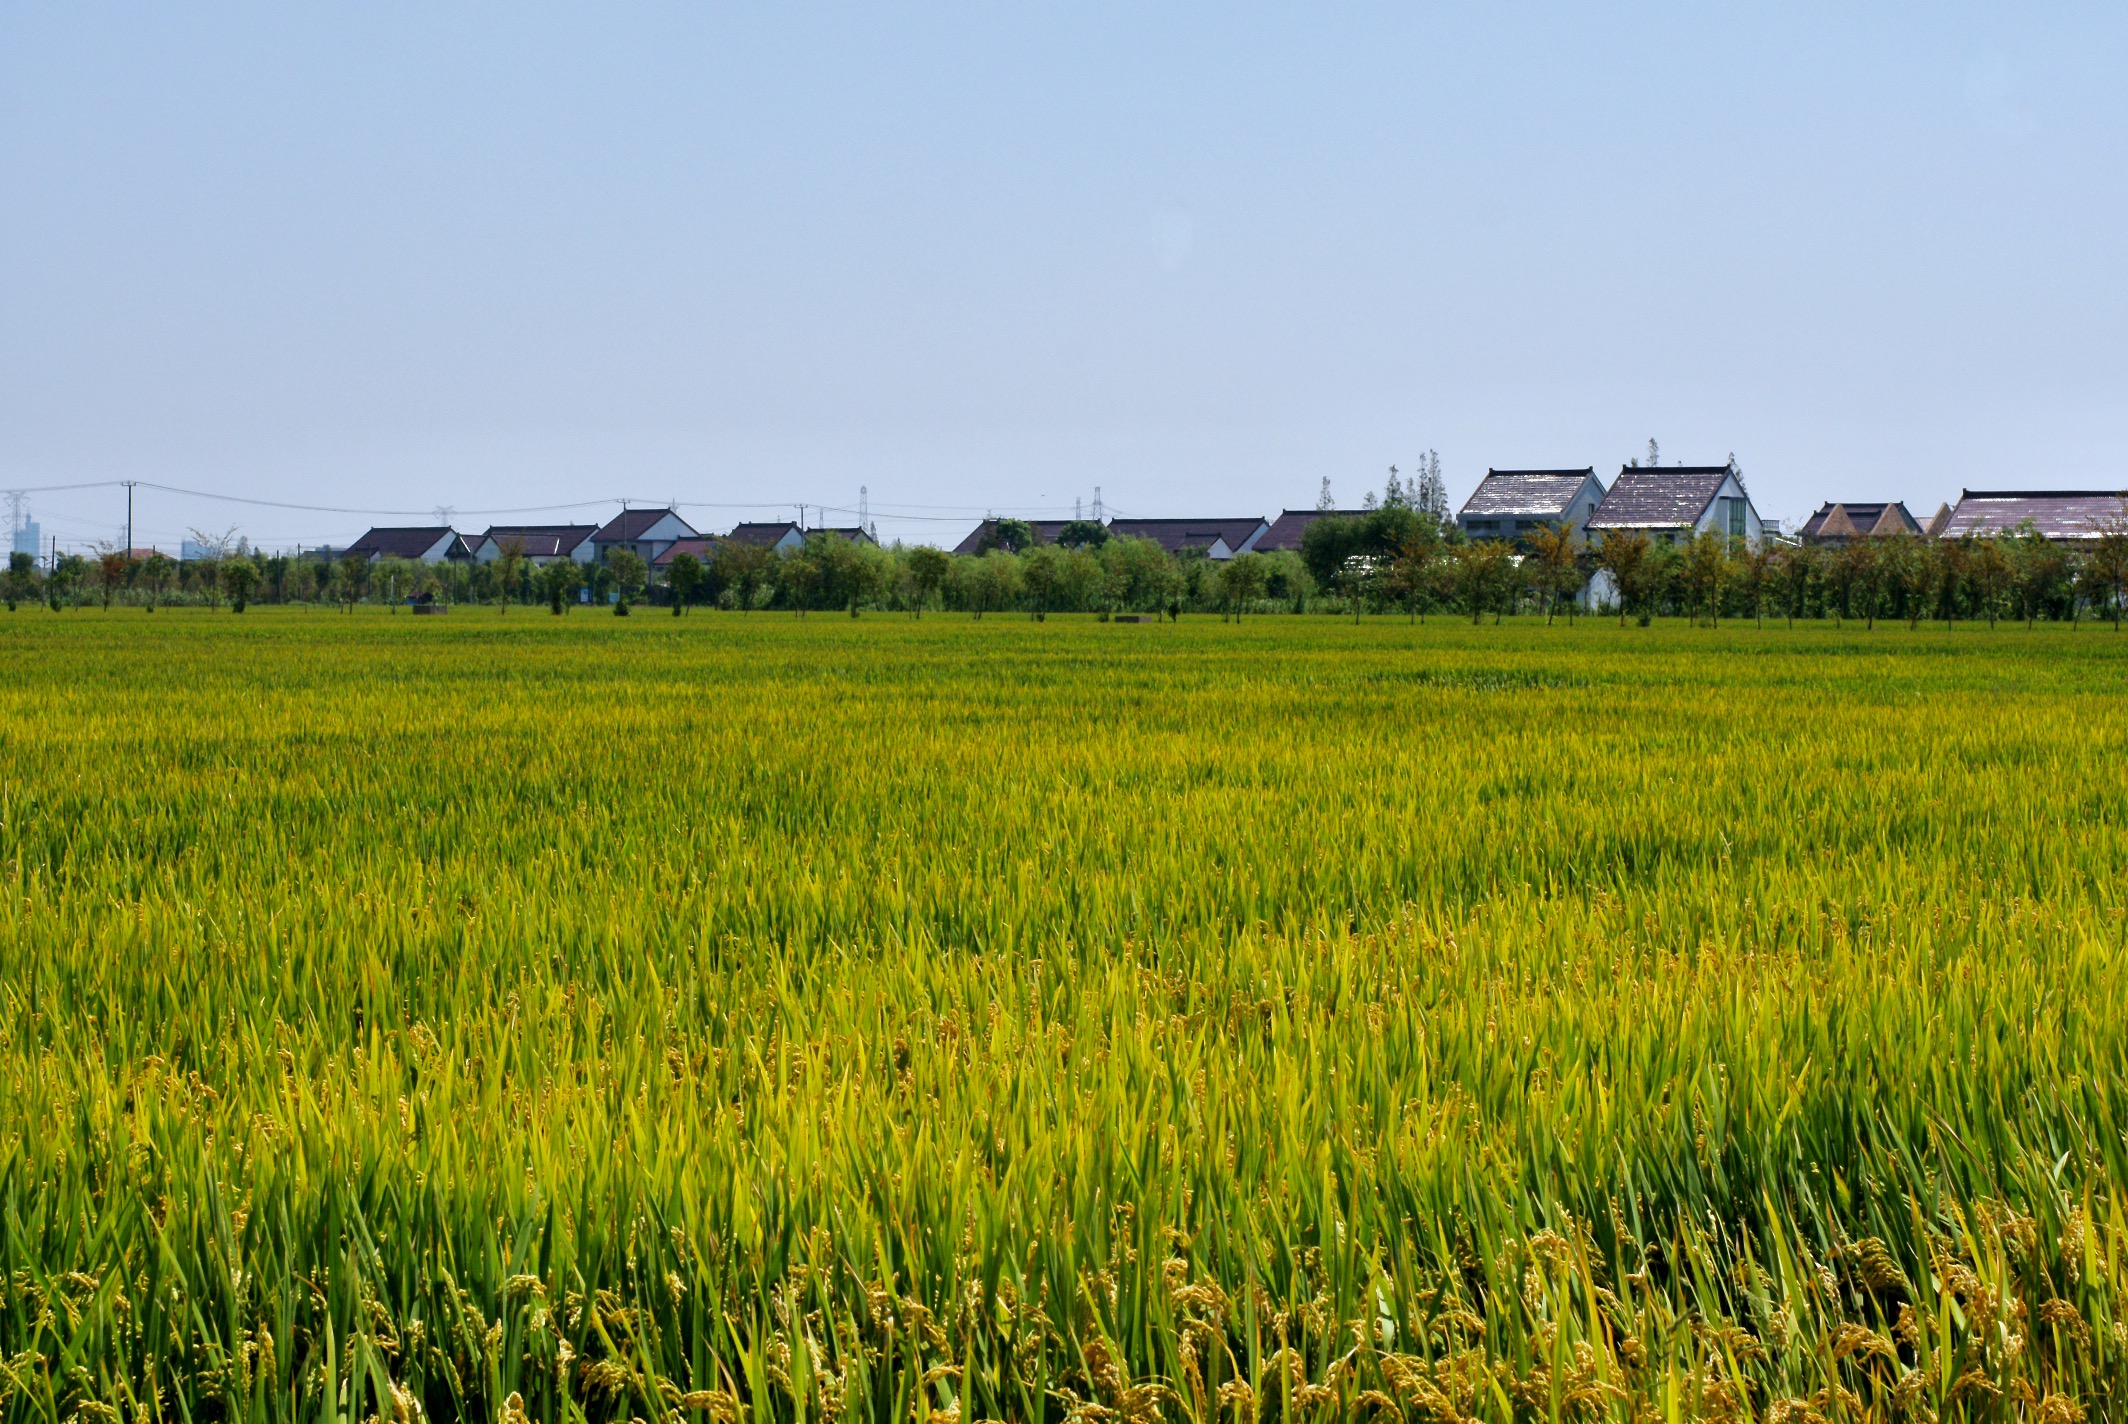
x: 750, y: 1017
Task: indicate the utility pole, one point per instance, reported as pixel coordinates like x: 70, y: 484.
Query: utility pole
x: 864, y: 508
x: 129, y: 519
x: 1097, y: 504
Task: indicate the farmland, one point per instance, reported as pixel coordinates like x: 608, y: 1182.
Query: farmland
x: 751, y: 1016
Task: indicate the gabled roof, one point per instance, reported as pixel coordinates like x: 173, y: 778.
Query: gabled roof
x: 766, y: 533
x: 1659, y: 496
x: 1857, y: 518
x: 540, y: 541
x: 1176, y: 535
x: 1539, y: 494
x: 404, y: 541
x: 1291, y: 527
x: 632, y: 524
x: 703, y: 549
x: 2057, y: 514
x: 1045, y: 532
x: 855, y: 534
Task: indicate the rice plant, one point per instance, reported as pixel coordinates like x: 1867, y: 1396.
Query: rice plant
x: 754, y: 1018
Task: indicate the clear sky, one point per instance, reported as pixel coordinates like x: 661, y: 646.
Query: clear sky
x: 996, y: 256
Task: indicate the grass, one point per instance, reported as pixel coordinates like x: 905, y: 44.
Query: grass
x: 761, y: 1018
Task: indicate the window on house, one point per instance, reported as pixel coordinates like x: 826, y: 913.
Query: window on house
x: 1736, y: 518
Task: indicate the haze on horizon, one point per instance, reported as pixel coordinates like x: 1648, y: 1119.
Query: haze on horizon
x: 991, y: 258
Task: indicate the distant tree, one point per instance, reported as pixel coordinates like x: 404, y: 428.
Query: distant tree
x: 1706, y: 572
x: 241, y: 578
x: 1556, y: 570
x: 21, y: 580
x: 629, y: 575
x: 1324, y: 500
x: 350, y: 577
x: 743, y: 568
x: 1014, y: 536
x: 1907, y: 574
x: 1623, y: 554
x: 1481, y: 570
x: 1332, y: 547
x: 1083, y: 533
x: 1393, y: 493
x: 2040, y: 570
x: 1431, y: 495
x: 112, y: 567
x: 2105, y: 571
x: 1988, y: 573
x: 844, y: 573
x: 1409, y: 576
x: 995, y: 582
x: 1754, y: 579
x: 559, y: 581
x: 1041, y: 574
x: 682, y: 578
x: 510, y: 571
x: 927, y: 574
x: 1241, y: 582
x: 157, y: 572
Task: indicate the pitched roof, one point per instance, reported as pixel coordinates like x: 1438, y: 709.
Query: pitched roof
x: 766, y: 533
x: 855, y: 533
x: 1045, y: 532
x: 1176, y: 535
x: 700, y: 548
x: 401, y: 542
x: 2057, y: 514
x: 1659, y: 496
x: 632, y: 524
x: 1291, y: 527
x: 1542, y: 494
x: 540, y: 541
x: 1856, y: 518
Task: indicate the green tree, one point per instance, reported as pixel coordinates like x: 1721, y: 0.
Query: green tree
x: 240, y: 577
x: 112, y: 568
x: 994, y: 582
x: 1042, y: 576
x: 1241, y: 580
x: 510, y: 572
x: 560, y: 580
x: 743, y: 568
x: 1014, y: 536
x: 2105, y: 571
x: 1480, y: 569
x: 2039, y: 571
x: 1334, y: 549
x: 350, y: 578
x: 927, y: 574
x: 1623, y: 554
x: 1706, y: 572
x: 682, y: 578
x: 21, y: 582
x: 628, y: 576
x: 1083, y: 533
x: 1989, y: 574
x: 157, y: 572
x: 1556, y: 570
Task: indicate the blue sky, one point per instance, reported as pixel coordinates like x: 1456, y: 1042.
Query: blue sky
x: 994, y: 257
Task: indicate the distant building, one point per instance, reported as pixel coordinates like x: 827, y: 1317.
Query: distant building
x: 778, y: 537
x: 428, y: 543
x: 1673, y: 502
x: 1286, y: 532
x: 1513, y: 504
x: 855, y: 534
x: 2064, y: 516
x: 984, y: 535
x: 29, y: 539
x: 1837, y: 524
x: 543, y: 544
x: 646, y: 533
x: 1218, y: 539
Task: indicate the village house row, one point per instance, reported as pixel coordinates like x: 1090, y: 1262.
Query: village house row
x: 1666, y: 502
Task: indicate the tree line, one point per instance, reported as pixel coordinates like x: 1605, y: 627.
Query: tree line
x: 1396, y: 559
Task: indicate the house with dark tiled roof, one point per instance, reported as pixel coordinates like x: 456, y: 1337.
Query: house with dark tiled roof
x: 646, y: 533
x: 541, y: 543
x: 852, y: 533
x: 1837, y: 524
x: 984, y: 535
x: 428, y: 543
x: 1675, y: 502
x: 1513, y: 504
x: 778, y: 536
x: 1219, y: 539
x: 2064, y: 516
x: 1291, y: 526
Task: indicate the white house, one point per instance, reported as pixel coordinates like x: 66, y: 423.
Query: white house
x: 543, y: 544
x: 1512, y: 504
x: 1673, y: 502
x: 646, y: 533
